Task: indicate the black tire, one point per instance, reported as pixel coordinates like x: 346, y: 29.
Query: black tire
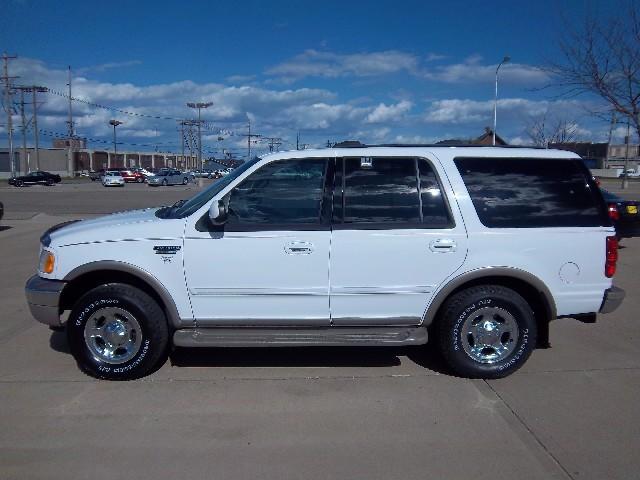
x: 139, y: 180
x: 49, y: 182
x: 153, y: 336
x: 501, y: 306
x: 19, y: 183
x: 164, y: 182
x: 185, y: 180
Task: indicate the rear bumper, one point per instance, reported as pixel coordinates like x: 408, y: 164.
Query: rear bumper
x: 43, y: 298
x: 613, y: 297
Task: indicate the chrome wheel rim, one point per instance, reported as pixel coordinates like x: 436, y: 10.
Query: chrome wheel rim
x: 113, y: 335
x: 489, y: 335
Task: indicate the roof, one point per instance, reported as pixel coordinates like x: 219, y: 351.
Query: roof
x: 442, y: 152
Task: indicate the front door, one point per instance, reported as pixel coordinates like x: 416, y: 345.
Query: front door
x: 269, y: 264
x: 395, y: 239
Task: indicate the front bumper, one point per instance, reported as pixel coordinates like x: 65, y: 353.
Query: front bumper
x: 43, y: 298
x: 613, y: 297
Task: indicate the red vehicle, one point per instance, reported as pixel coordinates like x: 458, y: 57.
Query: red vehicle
x: 130, y: 176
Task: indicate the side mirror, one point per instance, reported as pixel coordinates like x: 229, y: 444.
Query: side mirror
x: 218, y: 211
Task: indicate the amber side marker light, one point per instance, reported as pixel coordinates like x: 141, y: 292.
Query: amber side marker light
x: 48, y: 262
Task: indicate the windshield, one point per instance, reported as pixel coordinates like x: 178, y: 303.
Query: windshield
x: 181, y: 210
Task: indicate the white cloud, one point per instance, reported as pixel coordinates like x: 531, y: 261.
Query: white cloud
x: 314, y: 63
x: 472, y: 71
x: 389, y: 113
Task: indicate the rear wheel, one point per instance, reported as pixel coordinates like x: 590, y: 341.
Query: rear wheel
x: 49, y: 182
x: 164, y: 182
x: 118, y: 332
x: 487, y: 331
x: 139, y: 179
x: 185, y: 180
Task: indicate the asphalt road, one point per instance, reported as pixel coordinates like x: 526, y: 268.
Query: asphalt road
x: 325, y: 413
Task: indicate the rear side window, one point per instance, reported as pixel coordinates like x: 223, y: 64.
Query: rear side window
x: 389, y: 192
x: 532, y: 192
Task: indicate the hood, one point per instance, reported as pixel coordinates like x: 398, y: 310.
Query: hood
x: 122, y: 226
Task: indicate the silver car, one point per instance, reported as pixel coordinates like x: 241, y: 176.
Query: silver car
x: 168, y: 177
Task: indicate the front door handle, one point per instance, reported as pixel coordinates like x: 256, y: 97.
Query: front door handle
x: 298, y: 248
x: 443, y: 245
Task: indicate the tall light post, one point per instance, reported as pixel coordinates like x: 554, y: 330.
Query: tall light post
x: 199, y: 106
x: 506, y: 59
x: 115, y: 123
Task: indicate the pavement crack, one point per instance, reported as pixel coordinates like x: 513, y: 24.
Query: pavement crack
x: 533, y: 435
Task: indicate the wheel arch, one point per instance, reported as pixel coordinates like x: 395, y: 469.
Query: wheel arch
x: 530, y: 287
x: 88, y: 276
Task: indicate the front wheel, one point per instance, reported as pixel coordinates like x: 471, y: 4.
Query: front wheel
x: 487, y: 331
x: 118, y: 332
x: 164, y: 182
x: 139, y: 179
x: 185, y: 180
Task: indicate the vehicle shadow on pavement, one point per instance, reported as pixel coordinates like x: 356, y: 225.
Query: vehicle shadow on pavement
x: 58, y: 341
x: 5, y: 227
x: 306, y: 357
x: 425, y: 356
x: 285, y: 357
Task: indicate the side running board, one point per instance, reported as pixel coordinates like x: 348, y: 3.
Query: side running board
x: 291, y: 337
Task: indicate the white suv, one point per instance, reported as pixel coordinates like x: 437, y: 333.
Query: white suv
x: 475, y: 248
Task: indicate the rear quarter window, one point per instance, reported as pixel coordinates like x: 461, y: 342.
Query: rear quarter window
x: 532, y: 192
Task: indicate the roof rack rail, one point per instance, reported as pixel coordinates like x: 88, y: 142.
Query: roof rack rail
x: 356, y: 144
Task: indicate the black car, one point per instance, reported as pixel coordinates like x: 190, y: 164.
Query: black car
x: 624, y: 214
x: 34, y: 178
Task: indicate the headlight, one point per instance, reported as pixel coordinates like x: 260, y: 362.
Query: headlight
x: 47, y: 261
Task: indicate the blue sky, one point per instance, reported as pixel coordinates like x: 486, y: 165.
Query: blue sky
x: 412, y: 71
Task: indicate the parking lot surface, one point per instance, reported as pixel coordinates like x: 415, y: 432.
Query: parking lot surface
x: 329, y: 413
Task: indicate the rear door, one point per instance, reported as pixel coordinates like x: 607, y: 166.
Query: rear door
x: 395, y: 238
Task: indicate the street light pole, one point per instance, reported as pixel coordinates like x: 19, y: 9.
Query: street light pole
x: 506, y: 59
x: 199, y: 106
x: 115, y: 123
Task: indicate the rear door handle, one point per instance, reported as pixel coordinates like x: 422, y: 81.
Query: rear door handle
x: 298, y: 248
x: 443, y: 245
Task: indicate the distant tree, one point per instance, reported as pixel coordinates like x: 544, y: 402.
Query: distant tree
x: 601, y: 56
x: 546, y: 129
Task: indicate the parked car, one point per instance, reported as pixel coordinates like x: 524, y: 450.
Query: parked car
x: 476, y: 249
x: 131, y: 176
x: 35, y: 178
x: 631, y: 173
x: 168, y: 177
x: 96, y: 174
x: 113, y: 179
x: 624, y: 214
x: 145, y: 172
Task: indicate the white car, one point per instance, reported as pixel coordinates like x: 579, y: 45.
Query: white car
x: 474, y: 248
x: 113, y: 179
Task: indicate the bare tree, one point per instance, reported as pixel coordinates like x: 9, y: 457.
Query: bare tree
x: 602, y: 57
x: 543, y: 130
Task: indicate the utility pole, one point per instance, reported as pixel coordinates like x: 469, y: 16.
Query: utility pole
x: 625, y: 178
x: 33, y: 90
x: 70, y: 125
x: 8, y: 105
x: 249, y: 137
x: 182, y: 141
x: 24, y: 131
x: 36, y: 133
x: 200, y: 106
x: 274, y: 142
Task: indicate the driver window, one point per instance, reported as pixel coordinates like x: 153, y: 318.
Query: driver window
x: 282, y: 192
